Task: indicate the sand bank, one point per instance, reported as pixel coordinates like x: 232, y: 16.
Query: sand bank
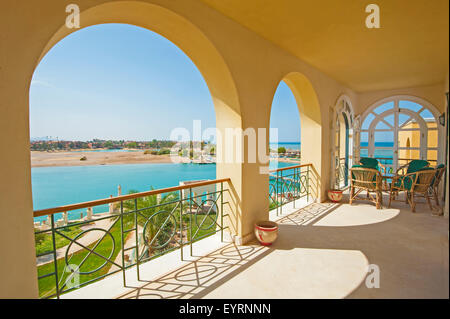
x: 46, y: 159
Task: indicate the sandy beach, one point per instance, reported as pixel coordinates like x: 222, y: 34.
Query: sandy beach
x: 64, y: 158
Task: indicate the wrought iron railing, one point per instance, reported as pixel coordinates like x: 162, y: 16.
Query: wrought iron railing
x: 133, y: 229
x: 341, y: 173
x: 287, y: 185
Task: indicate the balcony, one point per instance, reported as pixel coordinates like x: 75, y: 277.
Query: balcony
x: 323, y: 251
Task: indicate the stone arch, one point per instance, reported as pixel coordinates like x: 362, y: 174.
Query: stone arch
x: 186, y: 36
x: 177, y: 29
x: 311, y: 125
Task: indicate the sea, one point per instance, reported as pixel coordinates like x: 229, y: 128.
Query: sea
x: 58, y: 186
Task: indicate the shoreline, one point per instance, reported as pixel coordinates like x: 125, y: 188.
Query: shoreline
x: 72, y: 158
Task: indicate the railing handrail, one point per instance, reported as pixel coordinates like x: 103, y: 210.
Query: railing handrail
x: 289, y: 167
x: 97, y: 202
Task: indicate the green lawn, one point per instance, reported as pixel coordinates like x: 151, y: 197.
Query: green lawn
x: 44, y: 240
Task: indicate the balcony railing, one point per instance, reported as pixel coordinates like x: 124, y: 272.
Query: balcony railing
x: 288, y: 184
x: 341, y: 173
x: 120, y: 232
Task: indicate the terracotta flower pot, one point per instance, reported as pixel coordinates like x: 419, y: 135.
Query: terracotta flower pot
x: 266, y: 232
x: 335, y: 195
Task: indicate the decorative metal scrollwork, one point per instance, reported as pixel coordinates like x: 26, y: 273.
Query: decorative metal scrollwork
x: 210, y: 208
x: 91, y: 251
x: 161, y: 228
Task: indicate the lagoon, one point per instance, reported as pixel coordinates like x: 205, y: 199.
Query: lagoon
x: 57, y: 186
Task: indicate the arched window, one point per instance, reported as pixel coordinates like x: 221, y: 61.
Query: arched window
x: 400, y: 129
x: 342, y: 143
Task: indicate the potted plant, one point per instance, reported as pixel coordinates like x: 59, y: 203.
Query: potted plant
x: 266, y: 232
x: 335, y: 195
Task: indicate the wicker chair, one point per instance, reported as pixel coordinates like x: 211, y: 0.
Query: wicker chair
x: 411, y: 167
x: 414, y: 184
x: 366, y: 179
x: 434, y: 187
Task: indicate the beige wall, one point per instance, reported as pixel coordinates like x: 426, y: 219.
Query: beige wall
x: 242, y: 71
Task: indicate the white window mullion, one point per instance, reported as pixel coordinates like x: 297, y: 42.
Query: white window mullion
x: 396, y: 120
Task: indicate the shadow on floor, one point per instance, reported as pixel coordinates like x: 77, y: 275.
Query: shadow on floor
x: 410, y: 249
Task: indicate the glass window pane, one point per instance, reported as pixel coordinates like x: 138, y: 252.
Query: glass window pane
x: 426, y: 114
x: 364, y: 152
x: 410, y: 106
x: 382, y: 126
x: 407, y: 155
x: 432, y: 139
x: 408, y: 138
x: 364, y: 138
x: 383, y: 138
x: 383, y: 153
x: 367, y: 121
x: 432, y: 124
x: 403, y: 118
x: 384, y: 107
x: 432, y: 156
x: 390, y: 119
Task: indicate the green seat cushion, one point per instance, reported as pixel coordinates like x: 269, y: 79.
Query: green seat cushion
x: 369, y: 162
x: 416, y: 165
x: 408, y: 180
x: 405, y: 182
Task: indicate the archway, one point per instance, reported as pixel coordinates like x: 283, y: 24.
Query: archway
x: 194, y: 44
x: 311, y: 127
x: 284, y: 145
x: 399, y: 129
x: 190, y: 40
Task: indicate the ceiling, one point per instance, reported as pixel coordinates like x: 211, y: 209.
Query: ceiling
x: 410, y: 49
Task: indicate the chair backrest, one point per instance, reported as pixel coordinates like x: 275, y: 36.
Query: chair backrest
x: 423, y: 180
x: 416, y: 165
x: 364, y: 177
x: 369, y: 162
x: 440, y: 169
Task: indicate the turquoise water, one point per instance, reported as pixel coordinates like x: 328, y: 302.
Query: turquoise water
x: 57, y: 186
x: 383, y: 153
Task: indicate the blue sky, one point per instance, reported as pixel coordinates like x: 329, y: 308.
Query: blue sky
x: 118, y: 81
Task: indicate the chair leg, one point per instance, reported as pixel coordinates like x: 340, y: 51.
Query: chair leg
x: 391, y: 194
x: 429, y: 201
x: 379, y: 200
x: 413, y: 203
x: 351, y: 195
x: 435, y: 195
